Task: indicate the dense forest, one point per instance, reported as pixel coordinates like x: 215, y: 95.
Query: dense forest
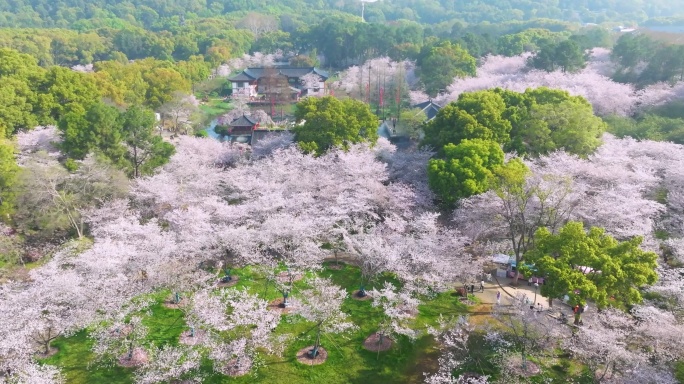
x: 158, y: 15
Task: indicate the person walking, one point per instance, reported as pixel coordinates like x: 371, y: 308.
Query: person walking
x: 498, y: 297
x: 482, y: 286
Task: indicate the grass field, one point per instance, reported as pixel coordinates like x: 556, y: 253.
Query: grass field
x: 215, y: 107
x: 348, y: 361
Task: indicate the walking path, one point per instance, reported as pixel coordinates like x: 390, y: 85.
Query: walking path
x: 503, y: 285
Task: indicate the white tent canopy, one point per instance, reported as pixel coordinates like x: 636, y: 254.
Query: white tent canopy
x: 500, y: 258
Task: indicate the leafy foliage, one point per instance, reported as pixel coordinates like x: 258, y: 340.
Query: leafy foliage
x: 534, y: 122
x: 442, y: 63
x: 465, y: 170
x: 324, y: 123
x: 566, y: 55
x: 591, y: 266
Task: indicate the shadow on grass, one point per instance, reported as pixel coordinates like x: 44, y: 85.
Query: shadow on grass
x: 77, y: 362
x: 348, y: 361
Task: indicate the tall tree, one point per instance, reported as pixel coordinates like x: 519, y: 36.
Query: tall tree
x: 465, y: 170
x: 326, y: 122
x: 442, y: 64
x: 97, y: 129
x: 519, y: 203
x: 591, y: 265
x: 566, y: 55
x: 146, y: 150
x: 476, y: 115
x: 8, y: 175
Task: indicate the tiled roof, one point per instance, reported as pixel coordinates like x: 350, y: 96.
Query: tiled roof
x: 242, y: 76
x: 429, y: 107
x: 257, y: 72
x: 243, y: 121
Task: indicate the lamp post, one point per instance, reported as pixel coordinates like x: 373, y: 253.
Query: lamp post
x: 369, y: 81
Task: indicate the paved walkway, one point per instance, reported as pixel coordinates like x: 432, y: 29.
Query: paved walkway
x: 503, y: 285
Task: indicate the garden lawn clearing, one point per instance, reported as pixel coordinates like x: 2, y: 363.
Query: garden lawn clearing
x: 347, y: 361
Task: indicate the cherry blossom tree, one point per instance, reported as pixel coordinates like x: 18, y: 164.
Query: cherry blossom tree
x: 168, y: 363
x: 39, y: 139
x: 191, y: 178
x: 182, y: 111
x: 593, y: 83
x: 618, y: 348
x: 520, y: 204
x: 659, y: 332
x: 453, y: 336
x: 63, y: 299
x: 258, y: 23
x: 336, y: 187
x: 33, y: 373
x: 122, y: 338
x: 311, y: 82
x: 282, y: 241
x: 408, y: 168
x: 376, y: 253
x: 239, y: 324
x: 257, y: 59
x: 272, y: 142
x: 531, y: 330
x: 399, y: 308
x: 321, y: 305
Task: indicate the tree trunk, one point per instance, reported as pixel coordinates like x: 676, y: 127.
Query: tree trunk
x: 314, y: 352
x: 524, y: 359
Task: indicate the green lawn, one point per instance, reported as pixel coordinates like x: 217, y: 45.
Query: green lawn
x: 215, y: 107
x: 347, y: 361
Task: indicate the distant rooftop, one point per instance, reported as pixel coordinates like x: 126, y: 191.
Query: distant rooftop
x: 255, y: 73
x: 429, y: 107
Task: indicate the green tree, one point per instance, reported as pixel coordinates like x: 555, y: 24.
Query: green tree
x: 476, y: 115
x: 270, y: 42
x: 195, y: 70
x: 570, y: 56
x: 16, y: 105
x: 8, y: 176
x: 442, y: 64
x: 568, y: 125
x: 527, y: 203
x: 63, y: 89
x: 326, y: 122
x: 97, y: 129
x: 632, y: 49
x: 545, y: 119
x: 411, y: 123
x: 146, y: 151
x: 162, y: 83
x: 591, y: 266
x: 465, y: 170
x: 566, y: 55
